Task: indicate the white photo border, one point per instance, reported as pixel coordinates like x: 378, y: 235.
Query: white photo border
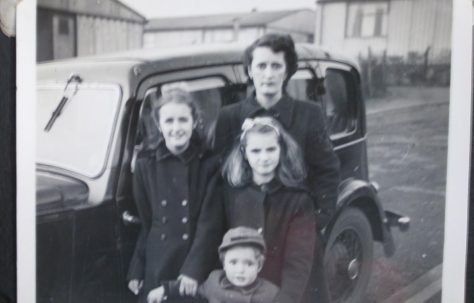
x: 459, y: 142
x: 457, y: 193
x: 25, y: 138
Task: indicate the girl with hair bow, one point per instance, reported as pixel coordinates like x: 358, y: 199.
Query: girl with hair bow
x: 264, y: 172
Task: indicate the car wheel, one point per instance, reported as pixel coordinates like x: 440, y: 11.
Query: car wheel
x: 348, y: 257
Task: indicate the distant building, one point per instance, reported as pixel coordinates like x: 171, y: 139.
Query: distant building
x: 69, y: 28
x: 237, y: 27
x: 399, y: 27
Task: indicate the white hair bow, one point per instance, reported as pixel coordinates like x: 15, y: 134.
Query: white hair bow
x: 249, y: 123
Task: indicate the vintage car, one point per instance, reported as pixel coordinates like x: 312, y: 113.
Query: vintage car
x: 94, y: 116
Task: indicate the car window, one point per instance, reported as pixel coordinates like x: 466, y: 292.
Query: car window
x: 80, y: 138
x: 299, y: 84
x: 335, y: 98
x: 337, y: 101
x: 210, y: 95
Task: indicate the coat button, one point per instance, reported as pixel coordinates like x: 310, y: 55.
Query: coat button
x: 185, y: 236
x: 164, y: 203
x: 164, y: 220
x: 184, y: 220
x: 163, y: 237
x: 184, y: 203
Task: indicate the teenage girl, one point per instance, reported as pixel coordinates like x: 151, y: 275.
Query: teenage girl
x: 171, y: 183
x: 264, y: 173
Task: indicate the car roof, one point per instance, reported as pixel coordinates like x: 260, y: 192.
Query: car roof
x: 123, y: 66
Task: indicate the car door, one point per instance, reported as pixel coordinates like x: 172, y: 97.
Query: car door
x: 77, y: 256
x: 345, y: 113
x: 335, y: 86
x: 211, y: 88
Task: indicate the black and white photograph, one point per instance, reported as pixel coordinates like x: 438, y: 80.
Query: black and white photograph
x: 251, y: 151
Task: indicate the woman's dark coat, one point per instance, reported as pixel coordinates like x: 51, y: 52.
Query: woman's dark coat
x: 286, y: 218
x: 305, y: 122
x: 170, y: 192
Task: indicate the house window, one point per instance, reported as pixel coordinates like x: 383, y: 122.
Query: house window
x: 63, y: 26
x: 365, y: 20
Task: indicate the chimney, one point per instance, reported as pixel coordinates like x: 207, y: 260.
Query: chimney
x: 236, y: 25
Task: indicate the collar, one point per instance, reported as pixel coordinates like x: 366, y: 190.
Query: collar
x: 269, y: 187
x: 162, y: 152
x: 249, y: 289
x: 282, y: 110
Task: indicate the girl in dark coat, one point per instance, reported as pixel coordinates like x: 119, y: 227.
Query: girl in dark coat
x: 264, y: 172
x: 171, y: 184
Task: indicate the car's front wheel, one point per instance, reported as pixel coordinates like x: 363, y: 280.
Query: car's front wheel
x: 348, y: 257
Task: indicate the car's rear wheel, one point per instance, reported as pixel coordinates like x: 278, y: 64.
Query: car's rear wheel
x: 348, y: 257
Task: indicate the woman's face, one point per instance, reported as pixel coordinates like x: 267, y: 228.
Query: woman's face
x: 176, y: 124
x: 262, y: 151
x: 268, y: 71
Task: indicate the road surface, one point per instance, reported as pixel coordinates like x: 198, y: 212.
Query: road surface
x: 407, y: 149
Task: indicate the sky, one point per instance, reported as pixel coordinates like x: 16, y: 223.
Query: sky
x: 170, y: 8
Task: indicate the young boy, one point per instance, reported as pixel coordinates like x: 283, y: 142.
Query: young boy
x: 242, y: 254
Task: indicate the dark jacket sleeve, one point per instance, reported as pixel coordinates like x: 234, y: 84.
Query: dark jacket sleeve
x: 323, y: 167
x: 299, y: 252
x: 268, y: 291
x: 205, y: 290
x: 171, y: 288
x: 202, y: 257
x: 137, y: 264
x: 225, y: 135
x: 210, y: 286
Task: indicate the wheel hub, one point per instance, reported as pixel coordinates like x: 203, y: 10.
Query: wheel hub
x: 353, y: 269
x: 347, y: 267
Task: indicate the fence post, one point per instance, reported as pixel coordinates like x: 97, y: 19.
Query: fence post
x: 384, y: 72
x: 425, y: 64
x: 369, y: 72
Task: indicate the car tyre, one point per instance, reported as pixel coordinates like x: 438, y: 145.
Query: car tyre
x: 348, y: 257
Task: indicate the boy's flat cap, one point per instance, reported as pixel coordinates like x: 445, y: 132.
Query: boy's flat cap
x: 242, y: 236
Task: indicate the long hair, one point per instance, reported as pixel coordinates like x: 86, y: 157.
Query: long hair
x: 290, y: 171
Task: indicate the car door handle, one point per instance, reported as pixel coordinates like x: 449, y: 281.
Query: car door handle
x: 128, y: 218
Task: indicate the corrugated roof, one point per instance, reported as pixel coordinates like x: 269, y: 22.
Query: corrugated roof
x: 216, y: 21
x: 354, y: 1
x: 105, y: 8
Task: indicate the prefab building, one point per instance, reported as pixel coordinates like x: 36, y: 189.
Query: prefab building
x: 69, y: 28
x: 399, y: 27
x: 236, y: 27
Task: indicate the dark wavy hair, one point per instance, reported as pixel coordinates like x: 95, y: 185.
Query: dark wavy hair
x: 290, y: 171
x: 277, y: 43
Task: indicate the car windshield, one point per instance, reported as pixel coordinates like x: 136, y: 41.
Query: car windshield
x: 81, y: 137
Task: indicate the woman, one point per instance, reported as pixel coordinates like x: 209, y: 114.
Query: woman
x: 269, y: 63
x: 171, y: 184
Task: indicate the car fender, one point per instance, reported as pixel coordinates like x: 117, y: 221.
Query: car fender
x: 363, y: 195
